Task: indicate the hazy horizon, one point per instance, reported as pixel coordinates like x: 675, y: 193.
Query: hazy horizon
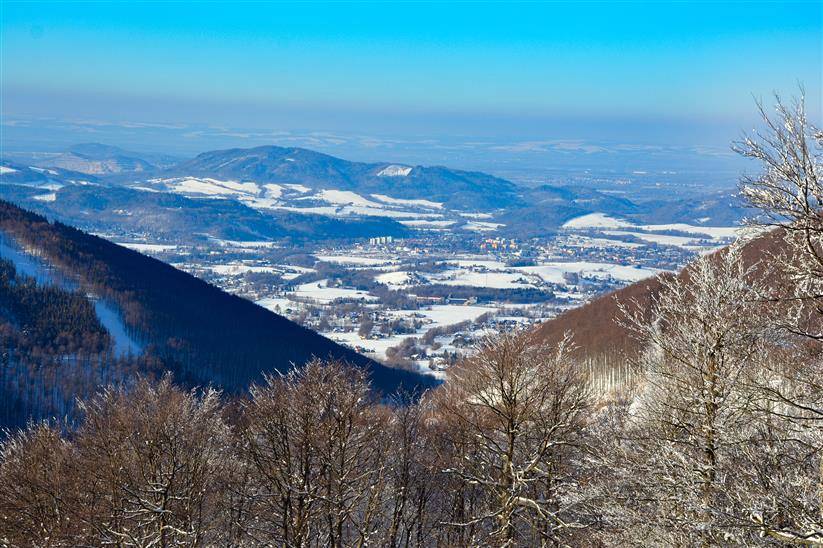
x: 468, y: 84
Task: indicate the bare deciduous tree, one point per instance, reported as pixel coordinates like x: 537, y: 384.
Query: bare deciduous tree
x: 789, y: 195
x: 694, y: 409
x: 517, y: 411
x: 150, y: 460
x: 317, y: 448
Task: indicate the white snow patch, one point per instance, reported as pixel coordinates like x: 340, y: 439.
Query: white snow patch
x: 400, y: 278
x: 355, y: 260
x: 482, y: 226
x: 147, y: 247
x: 394, y: 171
x: 4, y: 169
x: 596, y: 220
x: 51, y: 197
x: 415, y: 203
x: 660, y: 239
x: 346, y: 197
x: 320, y: 291
x: 423, y: 223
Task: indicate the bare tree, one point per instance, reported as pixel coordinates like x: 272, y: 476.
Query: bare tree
x: 150, y: 460
x: 517, y: 411
x: 704, y: 347
x: 37, y: 507
x: 789, y: 195
x: 316, y: 445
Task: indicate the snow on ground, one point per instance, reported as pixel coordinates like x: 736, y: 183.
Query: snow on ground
x: 4, y: 169
x: 662, y: 239
x: 273, y: 191
x: 347, y: 210
x: 320, y: 292
x: 482, y: 226
x: 435, y: 316
x: 39, y: 170
x: 244, y: 244
x: 496, y: 280
x: 423, y: 223
x: 596, y: 220
x: 211, y: 187
x: 354, y: 260
x: 147, y: 248
x: 553, y: 272
x: 714, y: 232
x: 235, y: 269
x: 585, y: 241
x: 447, y: 314
x: 396, y: 279
x: 50, y: 197
x: 485, y: 263
x: 415, y: 203
x: 601, y: 220
x: 394, y: 171
x: 476, y: 215
x: 346, y: 197
x: 278, y: 305
x: 298, y: 188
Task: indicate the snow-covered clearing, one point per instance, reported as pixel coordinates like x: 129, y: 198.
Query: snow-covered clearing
x: 601, y: 221
x: 414, y: 203
x: 148, y: 248
x: 553, y: 272
x: 423, y: 223
x: 355, y: 260
x: 596, y: 220
x: 320, y: 292
x: 482, y: 226
x: 661, y: 239
x: 394, y: 171
x: 496, y: 280
x: 345, y: 197
x: 396, y: 279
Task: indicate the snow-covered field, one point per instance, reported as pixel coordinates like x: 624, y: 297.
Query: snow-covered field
x: 320, y: 292
x: 414, y: 213
x: 434, y: 316
x: 354, y: 260
x: 656, y: 233
x: 148, y: 248
x: 416, y: 203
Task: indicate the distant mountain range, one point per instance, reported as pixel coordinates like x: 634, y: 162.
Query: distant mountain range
x: 274, y: 192
x: 97, y: 159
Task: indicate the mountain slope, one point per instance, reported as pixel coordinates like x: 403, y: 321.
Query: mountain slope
x: 595, y: 327
x: 199, y: 332
x: 273, y: 164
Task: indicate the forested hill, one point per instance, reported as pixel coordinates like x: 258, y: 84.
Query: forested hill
x: 200, y: 333
x: 599, y: 336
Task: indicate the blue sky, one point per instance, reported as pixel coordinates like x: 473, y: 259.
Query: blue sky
x: 671, y: 72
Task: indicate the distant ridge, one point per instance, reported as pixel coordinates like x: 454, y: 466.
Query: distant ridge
x: 456, y: 188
